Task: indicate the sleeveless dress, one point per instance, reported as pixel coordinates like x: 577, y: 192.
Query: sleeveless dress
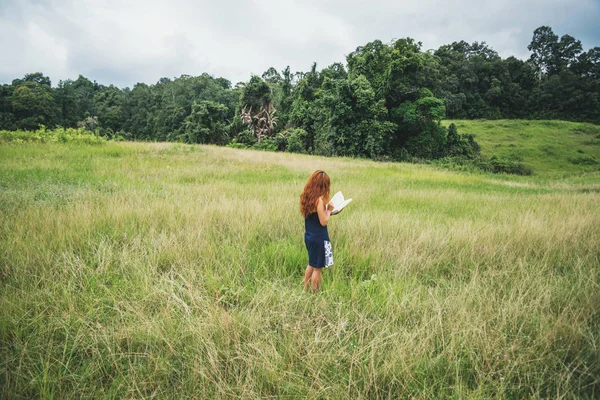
x: 317, y: 242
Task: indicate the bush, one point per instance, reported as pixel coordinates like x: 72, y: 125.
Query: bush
x: 430, y: 143
x: 266, y: 144
x: 295, y: 140
x: 234, y: 144
x: 461, y: 145
x: 583, y: 160
x: 498, y: 165
x: 458, y: 163
x: 245, y: 137
x: 121, y: 136
x: 402, y: 155
x: 587, y: 129
x: 89, y: 124
x: 494, y: 165
x: 58, y: 135
x: 323, y: 146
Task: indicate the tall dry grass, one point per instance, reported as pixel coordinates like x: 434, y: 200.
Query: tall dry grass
x: 159, y: 270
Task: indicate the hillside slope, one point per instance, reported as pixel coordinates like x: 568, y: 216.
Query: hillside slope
x: 550, y: 147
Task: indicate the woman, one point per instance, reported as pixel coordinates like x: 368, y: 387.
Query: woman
x: 315, y: 207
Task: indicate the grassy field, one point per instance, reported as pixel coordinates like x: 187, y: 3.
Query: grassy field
x: 552, y: 148
x: 141, y: 270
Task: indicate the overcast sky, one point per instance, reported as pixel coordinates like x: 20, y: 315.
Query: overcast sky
x: 122, y: 42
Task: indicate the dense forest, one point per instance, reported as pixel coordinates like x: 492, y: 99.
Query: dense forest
x: 385, y: 102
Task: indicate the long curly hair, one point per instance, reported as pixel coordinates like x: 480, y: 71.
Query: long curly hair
x: 316, y: 186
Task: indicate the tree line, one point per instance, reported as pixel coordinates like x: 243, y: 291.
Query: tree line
x: 385, y: 102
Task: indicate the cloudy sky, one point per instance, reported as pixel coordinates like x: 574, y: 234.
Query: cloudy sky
x: 127, y: 41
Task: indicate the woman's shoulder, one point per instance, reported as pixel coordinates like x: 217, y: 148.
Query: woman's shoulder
x: 319, y: 201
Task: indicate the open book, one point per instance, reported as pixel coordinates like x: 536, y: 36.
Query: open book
x: 338, y: 203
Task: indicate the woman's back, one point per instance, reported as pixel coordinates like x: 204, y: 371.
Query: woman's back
x: 313, y: 228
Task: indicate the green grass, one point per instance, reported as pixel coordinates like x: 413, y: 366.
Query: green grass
x: 155, y: 270
x: 552, y: 148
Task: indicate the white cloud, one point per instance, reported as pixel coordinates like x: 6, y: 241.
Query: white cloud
x: 123, y: 42
x: 27, y: 47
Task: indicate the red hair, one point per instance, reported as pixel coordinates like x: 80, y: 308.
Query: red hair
x: 316, y: 186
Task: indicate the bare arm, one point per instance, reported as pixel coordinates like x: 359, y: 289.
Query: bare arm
x: 323, y: 211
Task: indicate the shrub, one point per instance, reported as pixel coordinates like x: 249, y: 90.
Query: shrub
x: 461, y: 145
x: 323, y: 146
x: 245, y: 137
x: 266, y: 144
x: 494, y: 165
x: 498, y: 165
x: 295, y: 140
x: 429, y: 143
x: 58, y: 135
x: 89, y: 124
x: 234, y: 144
x: 583, y: 160
x: 587, y: 129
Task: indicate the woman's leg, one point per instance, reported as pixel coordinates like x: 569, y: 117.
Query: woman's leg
x: 315, y: 279
x: 307, y: 275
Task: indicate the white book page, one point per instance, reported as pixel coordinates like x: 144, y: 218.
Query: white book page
x: 337, y: 199
x: 338, y: 203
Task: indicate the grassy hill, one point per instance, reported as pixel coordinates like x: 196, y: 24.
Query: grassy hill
x: 138, y: 270
x: 552, y: 148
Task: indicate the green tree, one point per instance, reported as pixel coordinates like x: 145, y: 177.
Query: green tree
x: 272, y: 76
x: 543, y: 47
x: 7, y: 117
x: 75, y: 100
x: 460, y: 145
x: 207, y: 123
x: 36, y: 77
x: 357, y: 119
x: 33, y: 102
x: 258, y: 111
x: 307, y: 111
x: 420, y: 132
x: 108, y: 103
x: 566, y: 53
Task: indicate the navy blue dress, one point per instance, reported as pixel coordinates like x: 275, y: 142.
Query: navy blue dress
x: 317, y: 242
